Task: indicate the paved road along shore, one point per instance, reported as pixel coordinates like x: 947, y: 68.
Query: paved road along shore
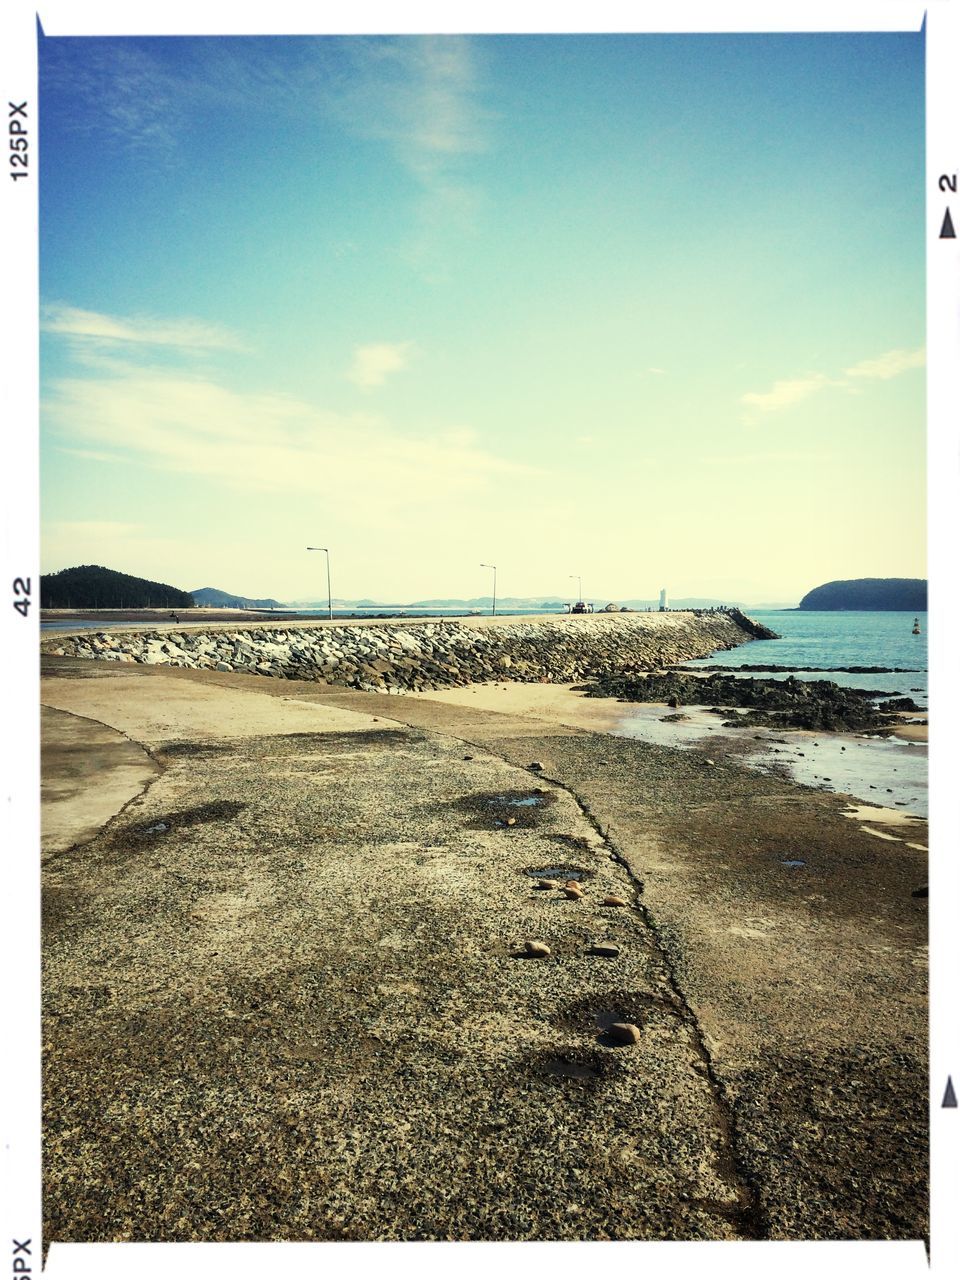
x: 287, y: 992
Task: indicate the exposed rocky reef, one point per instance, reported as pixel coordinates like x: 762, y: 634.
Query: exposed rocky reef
x: 783, y: 704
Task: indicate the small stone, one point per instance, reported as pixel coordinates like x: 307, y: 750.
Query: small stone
x: 605, y: 949
x: 510, y: 822
x: 710, y: 763
x: 611, y: 900
x: 536, y: 766
x: 534, y: 948
x: 548, y: 884
x: 624, y: 1033
x: 572, y: 891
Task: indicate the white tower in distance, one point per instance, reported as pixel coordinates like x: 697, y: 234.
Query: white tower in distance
x: 663, y: 599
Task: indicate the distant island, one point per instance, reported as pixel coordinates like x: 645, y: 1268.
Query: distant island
x: 91, y: 586
x: 906, y: 594
x: 213, y: 598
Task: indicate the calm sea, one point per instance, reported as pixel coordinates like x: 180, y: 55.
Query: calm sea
x: 838, y: 639
x: 889, y: 772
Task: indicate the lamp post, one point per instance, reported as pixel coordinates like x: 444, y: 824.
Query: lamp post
x: 579, y: 587
x: 494, y: 568
x: 329, y: 597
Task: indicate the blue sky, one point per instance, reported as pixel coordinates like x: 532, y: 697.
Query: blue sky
x: 649, y: 309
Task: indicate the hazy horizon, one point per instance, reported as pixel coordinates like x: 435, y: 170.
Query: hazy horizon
x: 624, y: 306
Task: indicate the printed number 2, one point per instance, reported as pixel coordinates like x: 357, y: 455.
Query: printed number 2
x: 948, y: 182
x: 21, y: 587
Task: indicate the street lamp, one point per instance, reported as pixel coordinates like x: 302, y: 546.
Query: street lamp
x: 579, y: 586
x: 329, y: 597
x: 494, y: 568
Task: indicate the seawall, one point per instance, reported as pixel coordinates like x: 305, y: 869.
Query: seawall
x: 401, y: 655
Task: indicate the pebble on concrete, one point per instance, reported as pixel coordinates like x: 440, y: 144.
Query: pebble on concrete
x: 535, y: 948
x: 611, y: 900
x: 605, y: 949
x: 624, y: 1033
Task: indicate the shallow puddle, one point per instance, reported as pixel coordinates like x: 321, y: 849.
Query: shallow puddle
x: 863, y: 765
x: 508, y: 808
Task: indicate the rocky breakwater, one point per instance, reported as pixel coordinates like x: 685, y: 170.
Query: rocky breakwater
x: 402, y: 656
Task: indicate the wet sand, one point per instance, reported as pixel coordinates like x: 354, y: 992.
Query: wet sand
x: 287, y: 995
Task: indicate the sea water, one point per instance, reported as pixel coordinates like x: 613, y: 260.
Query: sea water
x: 883, y: 771
x: 837, y: 638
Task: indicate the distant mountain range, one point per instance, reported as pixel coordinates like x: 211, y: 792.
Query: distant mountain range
x: 212, y: 598
x: 517, y: 602
x: 907, y: 594
x: 93, y: 586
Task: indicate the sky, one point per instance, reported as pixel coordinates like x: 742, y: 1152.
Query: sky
x: 646, y: 310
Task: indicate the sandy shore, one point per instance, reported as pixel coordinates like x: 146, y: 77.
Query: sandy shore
x: 287, y: 994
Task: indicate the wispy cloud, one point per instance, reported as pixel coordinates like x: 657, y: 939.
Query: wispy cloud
x: 266, y: 442
x: 422, y: 96
x: 788, y: 392
x: 116, y: 90
x: 419, y: 93
x: 373, y: 363
x: 185, y: 335
x: 783, y: 394
x: 889, y: 365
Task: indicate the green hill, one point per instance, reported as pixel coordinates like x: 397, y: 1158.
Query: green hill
x: 91, y: 586
x: 908, y: 594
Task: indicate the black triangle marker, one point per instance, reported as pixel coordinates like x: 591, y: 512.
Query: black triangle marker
x: 949, y: 1098
x: 946, y: 231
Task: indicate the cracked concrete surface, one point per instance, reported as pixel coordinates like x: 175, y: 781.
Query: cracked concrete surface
x: 285, y: 995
